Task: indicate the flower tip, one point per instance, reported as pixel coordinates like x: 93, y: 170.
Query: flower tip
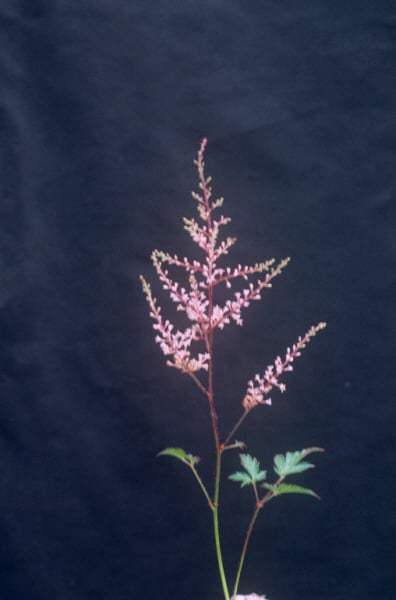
x: 201, y: 152
x: 145, y: 285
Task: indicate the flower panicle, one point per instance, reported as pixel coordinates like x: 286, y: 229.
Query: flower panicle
x: 260, y: 386
x: 203, y: 277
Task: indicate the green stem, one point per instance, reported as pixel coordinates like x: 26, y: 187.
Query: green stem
x: 201, y: 484
x: 215, y: 510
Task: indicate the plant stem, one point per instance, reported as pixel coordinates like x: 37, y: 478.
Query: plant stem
x: 259, y: 505
x: 199, y: 384
x: 236, y: 426
x: 201, y: 484
x: 215, y: 510
x: 215, y: 506
x: 245, y: 546
x: 209, y: 347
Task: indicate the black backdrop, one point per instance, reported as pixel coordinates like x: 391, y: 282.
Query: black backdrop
x: 103, y: 106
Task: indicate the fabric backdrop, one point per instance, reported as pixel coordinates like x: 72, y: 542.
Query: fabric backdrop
x: 103, y: 107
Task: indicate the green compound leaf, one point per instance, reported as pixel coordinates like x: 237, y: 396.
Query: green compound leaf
x: 243, y: 478
x: 252, y: 466
x: 286, y: 488
x: 292, y: 462
x: 252, y: 472
x: 181, y: 454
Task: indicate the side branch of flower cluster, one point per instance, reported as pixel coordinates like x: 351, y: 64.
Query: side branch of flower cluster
x: 175, y: 343
x: 259, y: 387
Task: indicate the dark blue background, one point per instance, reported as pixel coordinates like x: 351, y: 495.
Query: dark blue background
x: 103, y: 106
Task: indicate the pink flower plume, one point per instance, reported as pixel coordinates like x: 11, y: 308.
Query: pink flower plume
x: 259, y: 387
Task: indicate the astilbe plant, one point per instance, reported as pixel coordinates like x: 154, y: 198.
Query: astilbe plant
x: 191, y: 352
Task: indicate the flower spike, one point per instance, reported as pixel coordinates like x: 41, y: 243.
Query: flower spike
x: 196, y: 299
x: 259, y: 387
